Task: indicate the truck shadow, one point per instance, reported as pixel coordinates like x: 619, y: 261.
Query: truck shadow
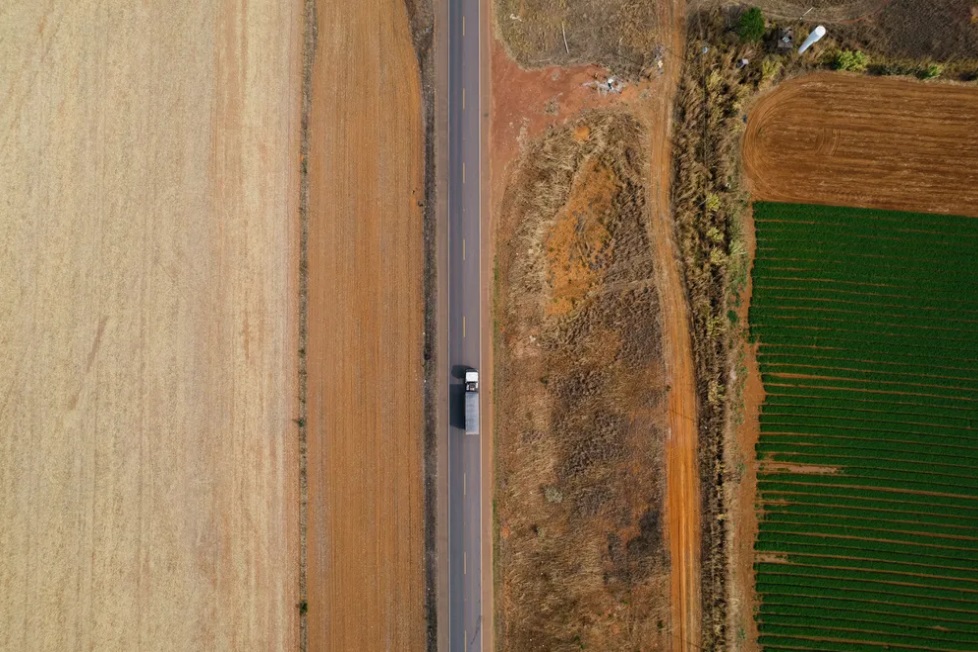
x: 456, y: 399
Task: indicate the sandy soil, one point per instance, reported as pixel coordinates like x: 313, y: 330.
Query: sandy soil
x: 868, y: 142
x: 148, y: 237
x: 365, y: 556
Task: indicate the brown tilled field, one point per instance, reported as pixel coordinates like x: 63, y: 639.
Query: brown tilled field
x: 847, y: 140
x: 149, y: 483
x: 582, y: 397
x: 365, y: 555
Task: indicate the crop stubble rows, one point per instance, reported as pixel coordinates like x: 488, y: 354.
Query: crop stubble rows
x: 847, y: 140
x: 148, y: 237
x: 865, y: 320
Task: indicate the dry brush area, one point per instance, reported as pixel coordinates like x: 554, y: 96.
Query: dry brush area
x: 149, y: 242
x: 581, y: 397
x: 618, y: 34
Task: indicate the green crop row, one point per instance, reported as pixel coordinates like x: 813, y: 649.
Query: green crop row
x: 866, y: 325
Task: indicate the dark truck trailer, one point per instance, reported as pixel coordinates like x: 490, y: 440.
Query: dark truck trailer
x: 472, y: 402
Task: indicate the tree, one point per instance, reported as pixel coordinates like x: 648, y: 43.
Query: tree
x: 853, y: 60
x: 750, y: 27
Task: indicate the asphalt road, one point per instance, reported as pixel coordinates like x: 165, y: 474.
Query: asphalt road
x: 464, y: 242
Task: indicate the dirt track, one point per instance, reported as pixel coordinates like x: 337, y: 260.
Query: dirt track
x: 869, y: 142
x: 365, y: 556
x: 682, y: 469
x: 148, y: 237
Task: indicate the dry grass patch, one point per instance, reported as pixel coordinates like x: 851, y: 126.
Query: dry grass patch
x: 618, y: 34
x: 581, y: 398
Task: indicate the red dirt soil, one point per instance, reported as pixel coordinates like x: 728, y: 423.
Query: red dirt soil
x: 849, y: 140
x: 682, y: 513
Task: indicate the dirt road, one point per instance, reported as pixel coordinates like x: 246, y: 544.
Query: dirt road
x: 848, y: 140
x: 365, y: 556
x: 682, y: 470
x: 148, y: 237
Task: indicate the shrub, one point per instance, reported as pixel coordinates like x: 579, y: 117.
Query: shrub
x: 932, y: 71
x: 854, y: 60
x: 750, y: 27
x: 770, y: 68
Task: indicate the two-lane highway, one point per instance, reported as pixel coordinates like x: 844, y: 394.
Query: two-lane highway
x: 465, y: 344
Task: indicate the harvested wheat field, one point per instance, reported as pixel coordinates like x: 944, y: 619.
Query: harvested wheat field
x: 848, y: 140
x: 148, y: 237
x: 365, y: 549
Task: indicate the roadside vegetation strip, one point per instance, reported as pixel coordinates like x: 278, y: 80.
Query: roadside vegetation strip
x: 865, y: 322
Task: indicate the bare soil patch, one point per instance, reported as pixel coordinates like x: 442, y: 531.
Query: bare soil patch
x: 366, y: 528
x: 149, y: 485
x: 847, y: 140
x: 581, y: 397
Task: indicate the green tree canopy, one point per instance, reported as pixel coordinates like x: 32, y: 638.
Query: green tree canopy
x: 750, y: 27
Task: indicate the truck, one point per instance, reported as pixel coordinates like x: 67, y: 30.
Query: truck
x: 471, y: 402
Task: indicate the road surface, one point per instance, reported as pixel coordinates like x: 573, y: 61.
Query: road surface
x: 464, y: 202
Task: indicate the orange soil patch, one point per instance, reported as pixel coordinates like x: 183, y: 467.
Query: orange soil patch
x: 849, y: 140
x: 803, y: 469
x: 365, y: 545
x: 579, y: 239
x: 771, y: 558
x: 149, y: 487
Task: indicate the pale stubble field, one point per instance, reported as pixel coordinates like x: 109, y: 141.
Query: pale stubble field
x: 148, y: 245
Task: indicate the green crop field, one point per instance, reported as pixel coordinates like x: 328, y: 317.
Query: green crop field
x: 867, y: 323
